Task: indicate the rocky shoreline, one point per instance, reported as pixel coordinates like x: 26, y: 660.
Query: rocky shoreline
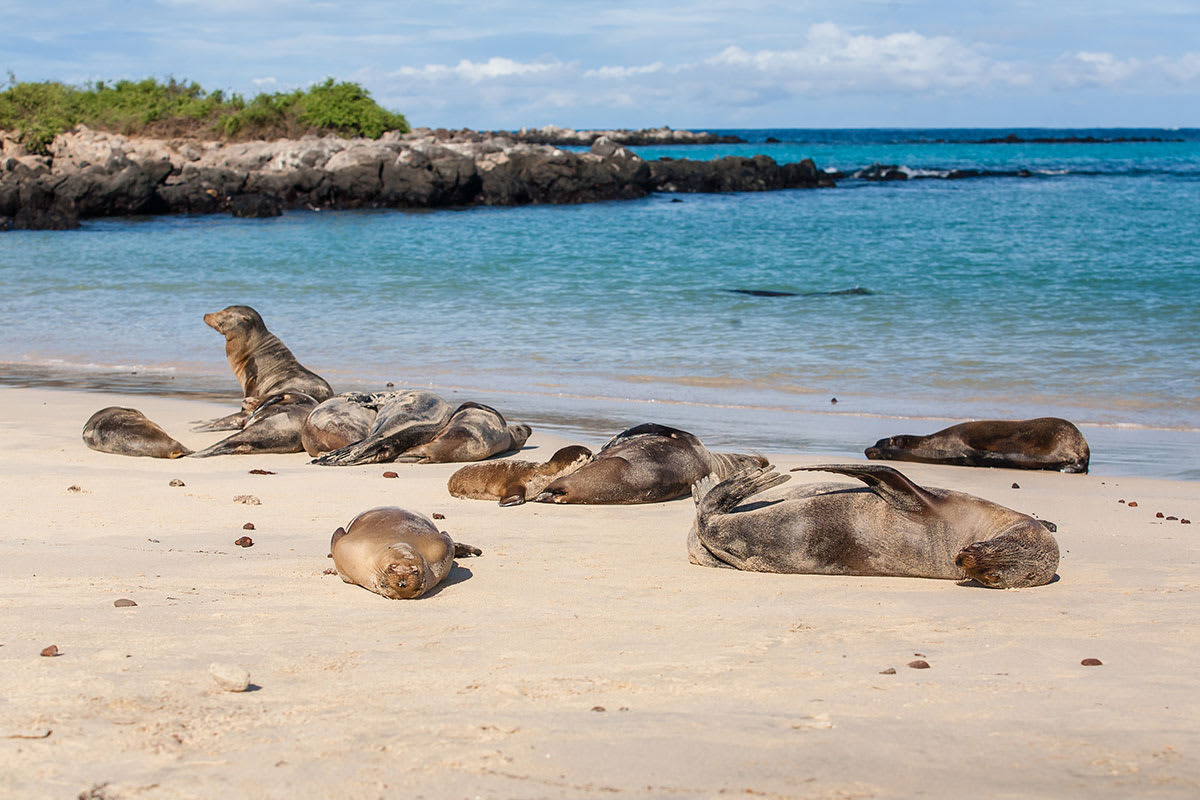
x: 96, y: 174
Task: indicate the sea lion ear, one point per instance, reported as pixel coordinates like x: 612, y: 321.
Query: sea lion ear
x: 890, y: 484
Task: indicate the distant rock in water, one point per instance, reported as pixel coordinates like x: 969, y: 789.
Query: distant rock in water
x: 857, y: 290
x: 554, y: 135
x: 763, y: 293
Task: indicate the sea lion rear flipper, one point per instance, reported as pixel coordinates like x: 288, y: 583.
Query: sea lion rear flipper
x: 890, y: 484
x: 713, y: 496
x: 232, y: 422
x: 465, y: 550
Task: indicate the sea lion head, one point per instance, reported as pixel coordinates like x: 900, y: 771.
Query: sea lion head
x: 234, y: 320
x: 1023, y: 555
x: 568, y: 456
x: 889, y: 449
x: 402, y: 573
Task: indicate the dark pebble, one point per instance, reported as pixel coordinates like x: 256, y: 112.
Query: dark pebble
x: 176, y: 482
x: 51, y: 651
x: 390, y: 475
x: 1092, y: 662
x: 1016, y: 485
x: 888, y: 671
x: 124, y: 602
x: 833, y: 400
x: 438, y: 516
x: 919, y: 655
x: 391, y: 385
x: 261, y: 472
x: 1172, y: 518
x: 249, y: 526
x: 1185, y: 522
x: 918, y: 664
x: 1120, y: 501
x: 1133, y: 503
x: 1158, y: 515
x: 245, y: 541
x: 598, y: 708
x: 75, y: 488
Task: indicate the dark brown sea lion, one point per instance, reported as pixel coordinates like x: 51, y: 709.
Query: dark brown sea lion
x: 405, y: 420
x: 262, y: 364
x: 1043, y: 443
x: 338, y: 422
x: 127, y: 432
x: 473, y: 433
x: 514, y: 482
x: 646, y: 464
x: 394, y: 552
x: 274, y: 427
x: 890, y: 527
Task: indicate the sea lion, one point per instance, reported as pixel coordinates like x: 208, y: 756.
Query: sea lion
x: 128, y: 432
x: 473, y: 433
x: 514, y: 482
x: 1043, y: 443
x: 646, y: 464
x: 405, y: 420
x: 890, y: 527
x: 274, y: 427
x: 262, y: 364
x: 338, y: 422
x: 395, y: 553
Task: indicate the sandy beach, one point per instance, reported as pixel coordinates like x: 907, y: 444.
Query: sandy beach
x: 580, y: 656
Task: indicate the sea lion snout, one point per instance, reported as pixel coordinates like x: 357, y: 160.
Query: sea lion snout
x: 402, y: 580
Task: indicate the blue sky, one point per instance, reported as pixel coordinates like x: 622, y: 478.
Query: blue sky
x: 697, y: 64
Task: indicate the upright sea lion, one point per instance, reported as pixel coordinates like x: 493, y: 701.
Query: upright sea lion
x: 262, y: 364
x: 127, y: 432
x: 394, y: 552
x: 646, y: 464
x: 890, y: 527
x: 405, y: 420
x: 339, y: 421
x: 473, y: 433
x: 514, y: 482
x: 1043, y: 443
x: 274, y: 427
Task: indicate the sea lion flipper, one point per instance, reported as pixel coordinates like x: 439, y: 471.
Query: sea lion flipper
x: 713, y: 496
x: 890, y: 484
x: 338, y: 534
x: 465, y: 550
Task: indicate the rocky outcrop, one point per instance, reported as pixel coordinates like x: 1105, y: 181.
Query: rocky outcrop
x: 94, y: 174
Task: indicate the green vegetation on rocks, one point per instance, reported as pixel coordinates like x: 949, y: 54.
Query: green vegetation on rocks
x: 40, y: 111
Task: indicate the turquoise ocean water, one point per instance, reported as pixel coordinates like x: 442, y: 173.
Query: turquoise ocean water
x: 1064, y: 280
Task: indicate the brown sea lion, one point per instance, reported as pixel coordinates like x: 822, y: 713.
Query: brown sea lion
x: 1043, y: 443
x: 890, y: 527
x: 646, y: 464
x: 338, y: 422
x: 127, y: 432
x: 395, y: 553
x: 262, y: 364
x: 514, y: 482
x: 473, y: 433
x: 405, y: 420
x: 274, y: 427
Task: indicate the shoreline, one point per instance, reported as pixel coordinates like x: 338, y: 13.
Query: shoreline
x: 579, y: 656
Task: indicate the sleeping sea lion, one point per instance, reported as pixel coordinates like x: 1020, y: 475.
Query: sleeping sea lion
x: 646, y: 464
x: 394, y: 552
x: 890, y: 527
x: 514, y: 482
x: 1043, y: 443
x: 474, y: 432
x: 405, y: 420
x: 262, y: 364
x: 127, y: 432
x: 339, y: 421
x: 274, y: 427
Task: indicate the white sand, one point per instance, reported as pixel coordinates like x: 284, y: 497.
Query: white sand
x: 711, y: 681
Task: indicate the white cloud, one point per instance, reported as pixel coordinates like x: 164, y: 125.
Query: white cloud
x: 624, y: 72
x: 269, y: 81
x: 475, y: 72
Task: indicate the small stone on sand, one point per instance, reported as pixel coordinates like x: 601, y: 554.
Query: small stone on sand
x: 1016, y: 485
x: 438, y: 516
x: 230, y: 677
x: 261, y: 472
x: 51, y: 651
x: 918, y: 664
x: 244, y: 541
x: 124, y: 602
x: 598, y: 708
x: 247, y: 500
x: 249, y: 526
x: 76, y: 488
x: 1133, y: 503
x: 1185, y: 522
x: 1091, y: 662
x: 1158, y: 515
x: 888, y: 671
x: 390, y: 474
x: 176, y: 482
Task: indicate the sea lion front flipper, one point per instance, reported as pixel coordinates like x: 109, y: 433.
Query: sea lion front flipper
x: 890, y: 484
x: 513, y: 494
x: 338, y: 534
x: 465, y: 550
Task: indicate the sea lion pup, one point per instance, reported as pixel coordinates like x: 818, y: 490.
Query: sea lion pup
x: 1043, y: 443
x: 474, y: 432
x: 262, y: 364
x: 890, y: 527
x: 514, y: 482
x: 646, y: 464
x: 128, y: 432
x: 339, y: 421
x: 394, y: 552
x: 405, y: 420
x: 274, y: 427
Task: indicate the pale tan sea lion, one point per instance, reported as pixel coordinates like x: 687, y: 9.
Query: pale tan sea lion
x: 514, y: 482
x: 338, y: 422
x: 891, y: 526
x: 473, y: 433
x: 1042, y: 443
x: 128, y: 432
x: 405, y: 420
x: 262, y: 364
x: 646, y: 464
x: 395, y: 553
x: 274, y: 427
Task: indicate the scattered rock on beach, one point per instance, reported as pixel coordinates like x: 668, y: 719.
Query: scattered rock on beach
x: 1133, y: 503
x: 247, y: 500
x: 75, y: 488
x: 1158, y: 515
x: 438, y: 516
x: 244, y: 541
x: 124, y: 602
x: 888, y: 671
x: 176, y: 482
x: 1016, y: 485
x: 51, y: 651
x: 249, y: 526
x: 390, y: 474
x: 1185, y: 522
x: 598, y: 708
x: 1092, y: 662
x: 261, y: 472
x: 1171, y: 518
x: 918, y: 664
x: 230, y: 677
